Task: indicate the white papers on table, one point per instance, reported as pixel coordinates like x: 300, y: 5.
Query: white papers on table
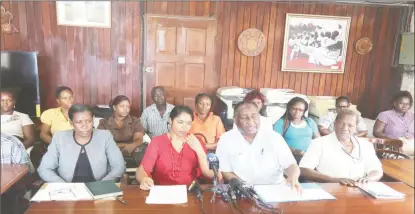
x: 62, y: 192
x: 283, y: 193
x: 167, y: 195
x: 381, y: 191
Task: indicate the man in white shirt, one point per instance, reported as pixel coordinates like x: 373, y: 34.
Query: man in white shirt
x: 255, y: 155
x: 326, y: 124
x: 340, y: 156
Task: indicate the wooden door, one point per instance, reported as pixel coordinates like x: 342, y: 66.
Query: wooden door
x: 179, y: 55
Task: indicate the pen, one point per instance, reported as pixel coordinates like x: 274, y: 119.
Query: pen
x: 122, y: 201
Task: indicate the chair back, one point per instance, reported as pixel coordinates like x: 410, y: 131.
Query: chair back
x: 386, y: 144
x: 389, y: 154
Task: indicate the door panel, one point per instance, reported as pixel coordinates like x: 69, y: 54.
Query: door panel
x: 180, y: 52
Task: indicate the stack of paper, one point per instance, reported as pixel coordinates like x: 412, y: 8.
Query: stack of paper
x: 381, y: 191
x: 167, y: 195
x: 283, y: 193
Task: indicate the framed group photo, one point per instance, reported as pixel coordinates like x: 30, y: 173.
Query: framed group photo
x: 315, y: 43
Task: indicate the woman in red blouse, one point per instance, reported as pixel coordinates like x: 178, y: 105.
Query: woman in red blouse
x: 175, y: 158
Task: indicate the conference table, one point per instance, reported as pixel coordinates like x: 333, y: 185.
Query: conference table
x: 11, y: 174
x: 400, y: 170
x: 349, y: 200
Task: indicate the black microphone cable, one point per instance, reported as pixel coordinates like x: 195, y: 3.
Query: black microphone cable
x: 230, y: 201
x: 261, y: 204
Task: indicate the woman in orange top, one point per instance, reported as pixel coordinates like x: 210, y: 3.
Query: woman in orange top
x: 206, y: 122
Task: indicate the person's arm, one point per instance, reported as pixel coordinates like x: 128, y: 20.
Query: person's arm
x: 50, y: 163
x: 287, y: 161
x: 373, y: 166
x: 315, y: 176
x: 362, y: 133
x: 143, y: 121
x: 323, y: 130
x: 293, y: 173
x: 28, y: 135
x: 378, y: 129
x: 361, y: 128
x: 45, y: 133
x: 279, y: 126
x: 115, y: 159
x: 197, y: 147
x: 143, y: 173
x: 324, y: 124
x: 314, y: 128
x: 222, y: 152
x: 220, y: 129
x: 137, y: 137
x: 229, y: 175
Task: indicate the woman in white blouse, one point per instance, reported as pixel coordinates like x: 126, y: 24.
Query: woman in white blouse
x: 16, y: 123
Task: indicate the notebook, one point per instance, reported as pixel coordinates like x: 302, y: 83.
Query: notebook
x: 103, y: 189
x: 381, y: 191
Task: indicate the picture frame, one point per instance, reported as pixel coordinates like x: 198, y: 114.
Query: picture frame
x: 315, y: 43
x: 84, y: 13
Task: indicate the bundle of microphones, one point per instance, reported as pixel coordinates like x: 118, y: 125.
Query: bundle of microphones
x: 235, y: 190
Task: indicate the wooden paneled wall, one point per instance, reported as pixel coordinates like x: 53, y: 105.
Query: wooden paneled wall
x: 85, y: 59
x: 82, y: 58
x: 366, y: 77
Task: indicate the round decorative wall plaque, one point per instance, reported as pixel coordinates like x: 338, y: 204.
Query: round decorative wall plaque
x: 363, y: 46
x: 251, y: 42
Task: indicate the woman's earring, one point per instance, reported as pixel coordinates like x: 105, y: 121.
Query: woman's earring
x: 169, y: 125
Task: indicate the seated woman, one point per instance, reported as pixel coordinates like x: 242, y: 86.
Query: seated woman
x: 126, y: 129
x: 81, y: 155
x: 205, y: 122
x: 258, y: 99
x: 57, y: 119
x: 397, y: 122
x: 176, y: 157
x: 297, y: 130
x: 16, y: 123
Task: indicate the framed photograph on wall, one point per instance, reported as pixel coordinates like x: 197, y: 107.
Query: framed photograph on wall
x: 84, y: 13
x: 315, y: 43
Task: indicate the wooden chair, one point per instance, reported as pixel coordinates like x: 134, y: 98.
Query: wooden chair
x: 389, y: 154
x: 386, y: 144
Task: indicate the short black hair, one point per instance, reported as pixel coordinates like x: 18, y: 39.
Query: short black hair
x: 178, y: 110
x: 9, y: 92
x: 342, y: 98
x: 241, y: 104
x: 201, y: 95
x: 60, y: 89
x: 153, y: 90
x: 403, y: 94
x: 76, y: 108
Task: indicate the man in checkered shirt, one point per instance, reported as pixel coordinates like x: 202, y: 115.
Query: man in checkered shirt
x: 13, y: 151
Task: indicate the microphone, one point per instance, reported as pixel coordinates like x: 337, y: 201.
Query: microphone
x: 236, y: 184
x: 195, y: 187
x: 213, y: 163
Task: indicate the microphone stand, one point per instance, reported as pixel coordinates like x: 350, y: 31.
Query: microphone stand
x: 214, y: 189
